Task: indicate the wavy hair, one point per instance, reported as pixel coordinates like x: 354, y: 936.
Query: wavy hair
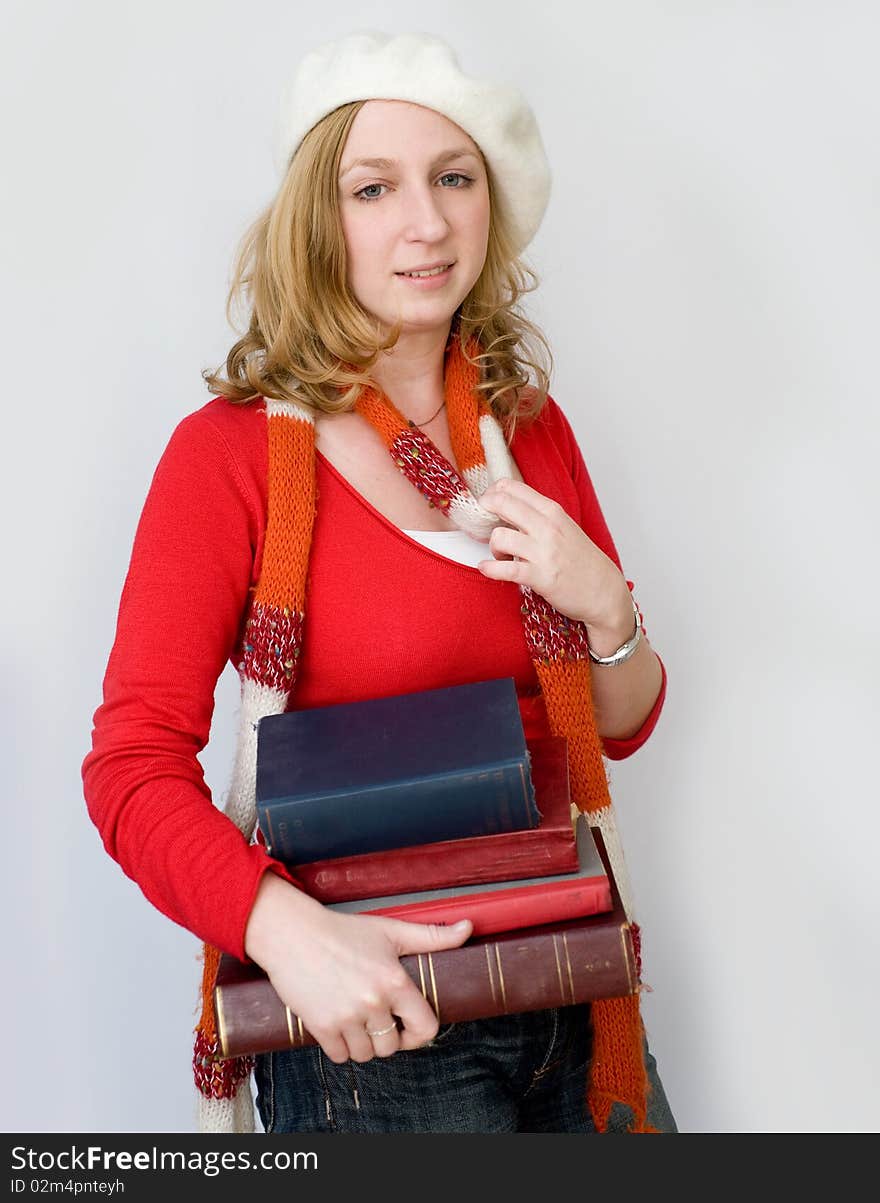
x: 309, y: 340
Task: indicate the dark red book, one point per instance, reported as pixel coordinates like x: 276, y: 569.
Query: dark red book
x: 501, y: 905
x: 553, y: 965
x: 544, y: 850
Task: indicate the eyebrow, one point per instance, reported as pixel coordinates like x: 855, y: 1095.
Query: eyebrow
x: 458, y: 152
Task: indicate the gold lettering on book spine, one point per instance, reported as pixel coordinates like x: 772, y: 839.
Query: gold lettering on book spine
x: 434, y: 985
x: 491, y: 974
x: 559, y: 980
x: 294, y: 1038
x: 568, y: 967
x: 500, y: 977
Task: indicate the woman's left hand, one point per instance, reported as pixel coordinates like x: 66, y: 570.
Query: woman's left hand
x: 554, y: 557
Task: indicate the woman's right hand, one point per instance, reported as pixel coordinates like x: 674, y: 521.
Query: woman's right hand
x: 341, y: 973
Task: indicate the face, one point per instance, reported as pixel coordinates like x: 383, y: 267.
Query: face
x: 427, y: 204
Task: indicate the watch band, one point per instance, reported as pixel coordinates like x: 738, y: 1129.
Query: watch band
x: 625, y: 650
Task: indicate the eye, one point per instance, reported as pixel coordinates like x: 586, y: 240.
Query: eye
x: 466, y: 182
x: 360, y: 194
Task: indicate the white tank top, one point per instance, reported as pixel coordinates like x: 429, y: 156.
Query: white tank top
x: 453, y: 544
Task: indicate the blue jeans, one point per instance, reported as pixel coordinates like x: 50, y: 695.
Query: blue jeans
x: 516, y: 1073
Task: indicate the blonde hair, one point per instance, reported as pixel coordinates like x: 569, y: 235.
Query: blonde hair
x: 309, y: 340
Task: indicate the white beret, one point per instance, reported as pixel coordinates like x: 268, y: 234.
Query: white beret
x: 423, y: 69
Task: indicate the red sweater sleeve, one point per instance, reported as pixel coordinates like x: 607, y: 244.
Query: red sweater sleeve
x: 594, y: 524
x: 179, y: 618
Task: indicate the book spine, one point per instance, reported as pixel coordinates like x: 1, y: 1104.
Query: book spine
x: 502, y: 910
x: 528, y: 972
x: 541, y: 852
x: 466, y: 804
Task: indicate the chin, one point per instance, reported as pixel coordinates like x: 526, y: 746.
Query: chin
x: 414, y: 325
x: 421, y: 317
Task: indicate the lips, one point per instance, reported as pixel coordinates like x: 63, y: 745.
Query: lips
x: 427, y: 267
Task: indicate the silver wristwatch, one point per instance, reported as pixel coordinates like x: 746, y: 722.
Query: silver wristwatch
x: 625, y: 650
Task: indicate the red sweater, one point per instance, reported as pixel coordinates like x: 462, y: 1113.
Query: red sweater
x: 385, y: 615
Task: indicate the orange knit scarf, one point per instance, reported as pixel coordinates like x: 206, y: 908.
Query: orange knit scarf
x: 557, y: 646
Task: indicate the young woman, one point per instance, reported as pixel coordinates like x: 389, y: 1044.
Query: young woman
x: 378, y: 500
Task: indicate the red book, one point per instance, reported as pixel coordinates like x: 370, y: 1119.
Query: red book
x: 504, y: 905
x: 554, y: 965
x: 544, y: 850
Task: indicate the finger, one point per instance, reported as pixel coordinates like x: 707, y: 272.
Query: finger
x: 514, y: 511
x: 424, y: 937
x: 520, y: 504
x: 334, y: 1045
x: 419, y: 1020
x: 506, y: 543
x: 360, y: 1043
x: 508, y: 487
x: 384, y: 1034
x: 505, y: 570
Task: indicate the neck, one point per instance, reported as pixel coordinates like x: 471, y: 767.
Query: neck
x: 411, y: 374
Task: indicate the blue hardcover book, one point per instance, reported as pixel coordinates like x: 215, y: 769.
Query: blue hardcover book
x: 415, y: 768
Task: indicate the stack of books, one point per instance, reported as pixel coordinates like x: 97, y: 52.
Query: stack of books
x: 431, y: 807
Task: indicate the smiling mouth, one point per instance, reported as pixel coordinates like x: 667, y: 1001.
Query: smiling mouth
x: 426, y: 275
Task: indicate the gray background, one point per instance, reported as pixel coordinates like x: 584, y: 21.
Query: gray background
x: 709, y: 286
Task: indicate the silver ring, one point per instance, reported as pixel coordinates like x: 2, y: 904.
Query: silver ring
x: 384, y: 1031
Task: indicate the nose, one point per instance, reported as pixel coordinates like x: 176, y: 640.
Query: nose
x: 425, y: 220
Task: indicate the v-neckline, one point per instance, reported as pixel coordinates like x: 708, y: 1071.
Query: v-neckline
x: 399, y: 531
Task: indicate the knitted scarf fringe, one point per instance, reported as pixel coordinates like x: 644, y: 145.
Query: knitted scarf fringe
x: 272, y: 645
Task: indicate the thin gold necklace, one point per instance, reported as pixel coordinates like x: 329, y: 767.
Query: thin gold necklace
x: 431, y: 419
